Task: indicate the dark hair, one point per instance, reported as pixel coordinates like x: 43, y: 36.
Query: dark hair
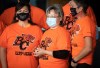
x: 25, y: 1
x: 20, y: 6
x: 58, y: 9
x: 82, y: 3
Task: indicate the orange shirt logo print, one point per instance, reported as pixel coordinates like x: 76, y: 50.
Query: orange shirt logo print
x: 23, y: 41
x: 44, y: 44
x: 68, y: 22
x: 75, y: 30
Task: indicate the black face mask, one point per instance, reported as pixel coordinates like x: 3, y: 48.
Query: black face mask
x: 23, y: 16
x: 73, y: 11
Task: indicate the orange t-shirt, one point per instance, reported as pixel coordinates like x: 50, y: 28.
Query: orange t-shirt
x: 2, y: 26
x: 91, y: 14
x: 1, y: 30
x: 83, y: 27
x: 20, y: 43
x: 38, y: 16
x: 54, y: 39
x: 67, y: 12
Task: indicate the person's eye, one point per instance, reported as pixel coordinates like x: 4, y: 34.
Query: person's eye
x: 19, y: 11
x: 26, y: 11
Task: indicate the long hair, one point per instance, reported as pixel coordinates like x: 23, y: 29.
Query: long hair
x: 20, y: 6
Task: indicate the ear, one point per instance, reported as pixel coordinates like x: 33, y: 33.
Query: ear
x: 16, y: 17
x: 60, y: 18
x: 29, y: 17
x: 80, y: 9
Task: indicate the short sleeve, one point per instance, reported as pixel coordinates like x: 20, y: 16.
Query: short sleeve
x: 3, y: 38
x: 87, y: 28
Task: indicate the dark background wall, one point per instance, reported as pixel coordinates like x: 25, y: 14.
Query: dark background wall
x: 95, y: 5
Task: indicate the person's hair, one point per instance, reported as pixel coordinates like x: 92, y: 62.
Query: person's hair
x: 82, y: 3
x: 57, y: 8
x: 25, y: 1
x: 20, y: 6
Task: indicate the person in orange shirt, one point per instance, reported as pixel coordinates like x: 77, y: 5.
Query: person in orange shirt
x: 1, y: 27
x: 83, y: 33
x: 54, y: 49
x: 1, y: 30
x: 19, y: 39
x: 68, y: 20
x: 38, y: 15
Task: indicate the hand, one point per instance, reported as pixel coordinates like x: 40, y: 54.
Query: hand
x: 39, y: 52
x: 74, y: 64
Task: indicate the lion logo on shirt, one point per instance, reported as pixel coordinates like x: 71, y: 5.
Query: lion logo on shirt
x: 23, y: 41
x: 44, y: 44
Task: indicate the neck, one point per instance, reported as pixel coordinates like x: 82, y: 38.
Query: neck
x: 54, y: 27
x: 23, y: 23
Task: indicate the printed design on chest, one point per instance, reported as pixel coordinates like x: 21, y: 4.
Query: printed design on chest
x: 23, y: 41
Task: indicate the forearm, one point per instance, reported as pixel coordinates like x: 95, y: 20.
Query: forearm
x: 82, y: 54
x: 3, y: 57
x: 50, y: 53
x: 86, y: 50
x: 60, y: 54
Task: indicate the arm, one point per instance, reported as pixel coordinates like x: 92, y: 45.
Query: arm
x: 60, y: 54
x: 3, y: 57
x: 86, y: 50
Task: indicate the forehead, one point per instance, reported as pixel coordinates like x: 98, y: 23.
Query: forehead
x: 52, y: 12
x: 25, y: 7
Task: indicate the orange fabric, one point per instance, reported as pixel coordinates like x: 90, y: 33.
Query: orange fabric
x: 83, y: 27
x: 67, y: 16
x: 38, y: 16
x: 2, y: 27
x: 91, y: 14
x: 1, y: 30
x: 20, y: 43
x: 54, y: 39
x: 66, y: 10
x: 8, y: 15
